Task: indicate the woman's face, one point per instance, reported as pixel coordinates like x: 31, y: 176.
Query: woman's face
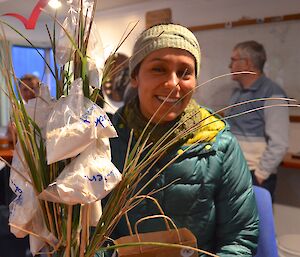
x: 165, y: 83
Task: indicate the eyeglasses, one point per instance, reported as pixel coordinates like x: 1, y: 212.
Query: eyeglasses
x: 232, y: 60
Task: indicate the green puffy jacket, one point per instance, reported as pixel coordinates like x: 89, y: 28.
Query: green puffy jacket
x: 212, y: 194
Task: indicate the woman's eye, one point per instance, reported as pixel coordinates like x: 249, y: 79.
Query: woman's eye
x: 158, y: 69
x: 184, y: 73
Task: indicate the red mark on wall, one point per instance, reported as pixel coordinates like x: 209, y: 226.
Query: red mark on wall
x: 31, y: 21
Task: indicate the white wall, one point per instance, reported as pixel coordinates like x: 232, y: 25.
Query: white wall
x: 112, y: 23
x: 38, y: 36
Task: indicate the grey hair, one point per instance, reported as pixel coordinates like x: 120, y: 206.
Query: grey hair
x: 254, y: 51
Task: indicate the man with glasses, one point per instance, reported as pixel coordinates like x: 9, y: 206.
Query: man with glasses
x: 262, y: 134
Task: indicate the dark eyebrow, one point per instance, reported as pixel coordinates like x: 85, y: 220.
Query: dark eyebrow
x: 157, y: 59
x: 163, y: 60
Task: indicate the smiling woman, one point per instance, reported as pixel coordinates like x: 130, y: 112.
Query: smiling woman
x: 165, y: 82
x: 205, y: 179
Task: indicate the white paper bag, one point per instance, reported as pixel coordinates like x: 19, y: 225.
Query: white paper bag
x: 88, y: 178
x: 40, y: 107
x: 23, y: 208
x: 95, y: 213
x: 74, y: 124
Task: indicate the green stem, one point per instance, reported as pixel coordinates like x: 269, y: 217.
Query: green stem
x: 84, y: 76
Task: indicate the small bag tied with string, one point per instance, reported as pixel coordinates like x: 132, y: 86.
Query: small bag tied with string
x: 74, y: 124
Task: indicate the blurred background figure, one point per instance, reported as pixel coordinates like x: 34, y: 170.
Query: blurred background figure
x: 114, y: 90
x: 29, y: 86
x: 263, y: 134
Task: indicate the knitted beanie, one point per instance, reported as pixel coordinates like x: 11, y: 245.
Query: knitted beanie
x: 164, y: 36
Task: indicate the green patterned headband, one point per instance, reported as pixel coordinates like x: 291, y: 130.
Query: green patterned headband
x: 164, y: 36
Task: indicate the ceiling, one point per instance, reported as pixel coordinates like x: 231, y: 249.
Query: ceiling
x: 18, y: 6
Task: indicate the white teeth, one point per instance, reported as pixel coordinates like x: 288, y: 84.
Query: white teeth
x: 167, y: 99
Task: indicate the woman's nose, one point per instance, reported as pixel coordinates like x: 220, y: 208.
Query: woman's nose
x: 172, y: 80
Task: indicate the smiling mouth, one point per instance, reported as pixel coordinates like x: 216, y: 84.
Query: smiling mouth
x: 167, y: 99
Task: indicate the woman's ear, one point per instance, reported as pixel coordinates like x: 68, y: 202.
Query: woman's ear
x: 134, y: 82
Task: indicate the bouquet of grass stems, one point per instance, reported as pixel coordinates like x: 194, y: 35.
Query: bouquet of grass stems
x: 60, y: 221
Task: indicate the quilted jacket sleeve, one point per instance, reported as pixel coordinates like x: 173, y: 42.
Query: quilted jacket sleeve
x: 237, y: 217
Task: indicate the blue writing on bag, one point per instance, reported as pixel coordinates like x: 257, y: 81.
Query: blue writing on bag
x: 103, y: 120
x: 99, y: 177
x: 88, y: 112
x: 19, y: 192
x: 85, y: 120
x: 19, y: 200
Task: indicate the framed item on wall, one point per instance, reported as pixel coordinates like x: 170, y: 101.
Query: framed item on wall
x: 158, y: 16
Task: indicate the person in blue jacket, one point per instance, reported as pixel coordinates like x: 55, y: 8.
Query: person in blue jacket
x: 208, y: 188
x: 264, y: 134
